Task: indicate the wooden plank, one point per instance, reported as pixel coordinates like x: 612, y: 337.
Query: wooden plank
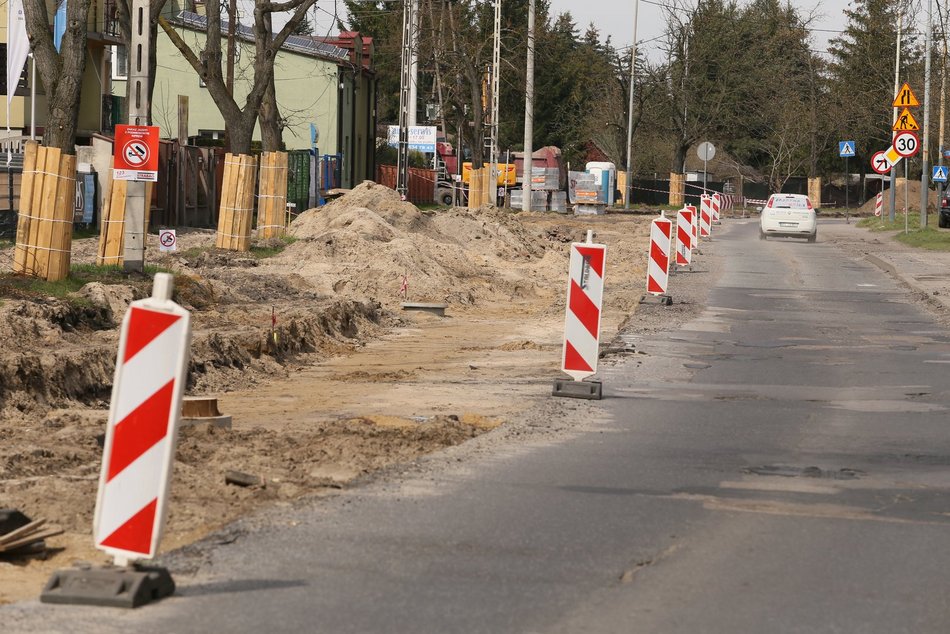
x: 115, y: 227
x: 51, y: 185
x: 36, y: 205
x: 29, y: 539
x: 62, y: 225
x: 24, y: 208
x: 225, y: 215
x: 103, y: 222
x: 248, y: 184
x: 23, y: 530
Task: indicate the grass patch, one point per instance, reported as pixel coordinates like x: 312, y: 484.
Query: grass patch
x: 271, y: 247
x: 26, y: 287
x: 883, y: 224
x: 930, y: 238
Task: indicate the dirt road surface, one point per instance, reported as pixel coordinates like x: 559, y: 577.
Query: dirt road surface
x: 344, y: 385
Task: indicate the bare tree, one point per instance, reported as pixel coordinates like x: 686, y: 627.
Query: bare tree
x: 207, y: 63
x: 61, y: 73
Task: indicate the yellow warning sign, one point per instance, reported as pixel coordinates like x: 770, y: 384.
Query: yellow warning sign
x: 905, y: 121
x: 905, y: 99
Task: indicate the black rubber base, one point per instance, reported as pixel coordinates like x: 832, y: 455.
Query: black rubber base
x: 113, y: 587
x: 663, y: 300
x: 590, y: 390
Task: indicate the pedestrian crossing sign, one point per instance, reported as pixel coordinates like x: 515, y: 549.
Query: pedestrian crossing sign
x: 845, y: 149
x: 940, y: 174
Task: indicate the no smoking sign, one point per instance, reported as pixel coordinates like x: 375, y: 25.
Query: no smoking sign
x: 136, y: 153
x: 167, y: 240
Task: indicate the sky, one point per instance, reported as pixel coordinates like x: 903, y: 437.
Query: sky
x: 615, y: 18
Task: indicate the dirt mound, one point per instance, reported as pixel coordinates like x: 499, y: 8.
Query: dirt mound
x: 907, y: 195
x: 365, y: 242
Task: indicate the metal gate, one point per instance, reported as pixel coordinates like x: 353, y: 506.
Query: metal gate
x: 298, y: 179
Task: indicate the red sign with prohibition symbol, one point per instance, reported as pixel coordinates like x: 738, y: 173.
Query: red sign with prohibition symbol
x: 135, y: 156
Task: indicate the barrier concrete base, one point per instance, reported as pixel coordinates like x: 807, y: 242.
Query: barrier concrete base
x: 590, y: 390
x: 435, y: 309
x: 663, y: 300
x: 128, y: 587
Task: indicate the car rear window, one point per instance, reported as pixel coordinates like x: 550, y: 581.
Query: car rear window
x: 789, y: 203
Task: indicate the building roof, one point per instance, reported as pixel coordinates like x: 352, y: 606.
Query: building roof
x: 296, y: 43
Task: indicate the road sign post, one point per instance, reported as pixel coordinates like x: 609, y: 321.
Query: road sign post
x: 706, y: 151
x: 846, y: 149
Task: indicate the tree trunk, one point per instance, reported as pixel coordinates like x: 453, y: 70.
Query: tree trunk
x: 61, y: 73
x: 271, y: 126
x: 679, y: 159
x: 269, y: 116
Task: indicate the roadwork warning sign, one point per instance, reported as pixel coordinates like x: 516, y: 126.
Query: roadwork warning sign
x: 135, y: 153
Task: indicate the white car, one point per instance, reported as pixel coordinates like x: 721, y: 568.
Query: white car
x: 789, y: 215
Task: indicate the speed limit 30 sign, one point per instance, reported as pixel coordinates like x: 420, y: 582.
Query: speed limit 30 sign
x: 906, y: 144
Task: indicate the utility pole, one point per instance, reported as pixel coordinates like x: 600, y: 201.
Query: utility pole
x: 897, y: 72
x: 943, y: 103
x: 495, y: 88
x: 405, y: 79
x: 925, y: 151
x: 633, y: 64
x: 414, y: 64
x: 528, y: 116
x: 133, y: 255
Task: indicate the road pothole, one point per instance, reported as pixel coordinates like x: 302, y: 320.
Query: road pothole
x: 789, y: 471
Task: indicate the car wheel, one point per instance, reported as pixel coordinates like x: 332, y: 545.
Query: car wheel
x: 813, y: 237
x: 446, y: 198
x: 761, y: 235
x: 943, y: 222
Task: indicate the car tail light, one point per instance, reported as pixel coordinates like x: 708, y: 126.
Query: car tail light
x: 945, y: 203
x: 808, y: 201
x: 770, y: 203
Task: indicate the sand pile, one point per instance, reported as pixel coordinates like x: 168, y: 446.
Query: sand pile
x: 365, y: 242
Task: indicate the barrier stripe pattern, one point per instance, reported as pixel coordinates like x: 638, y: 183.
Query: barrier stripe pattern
x: 694, y: 243
x: 658, y: 266
x: 585, y: 290
x: 716, y: 204
x: 705, y: 216
x: 879, y: 204
x: 140, y: 438
x: 684, y: 237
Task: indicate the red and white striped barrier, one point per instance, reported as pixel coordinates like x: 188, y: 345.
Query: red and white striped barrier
x: 684, y: 237
x: 694, y: 243
x: 658, y: 266
x: 705, y: 216
x: 879, y: 204
x: 585, y: 292
x: 140, y: 439
x: 716, y: 205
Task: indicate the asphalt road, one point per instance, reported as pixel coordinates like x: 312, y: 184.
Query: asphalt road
x: 779, y: 464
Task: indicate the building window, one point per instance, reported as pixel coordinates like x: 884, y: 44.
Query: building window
x: 120, y: 63
x: 21, y: 88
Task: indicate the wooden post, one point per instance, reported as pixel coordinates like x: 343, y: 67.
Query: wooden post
x: 271, y: 210
x: 677, y: 189
x: 25, y: 210
x: 62, y: 221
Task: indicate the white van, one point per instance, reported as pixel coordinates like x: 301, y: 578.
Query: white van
x: 788, y: 215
